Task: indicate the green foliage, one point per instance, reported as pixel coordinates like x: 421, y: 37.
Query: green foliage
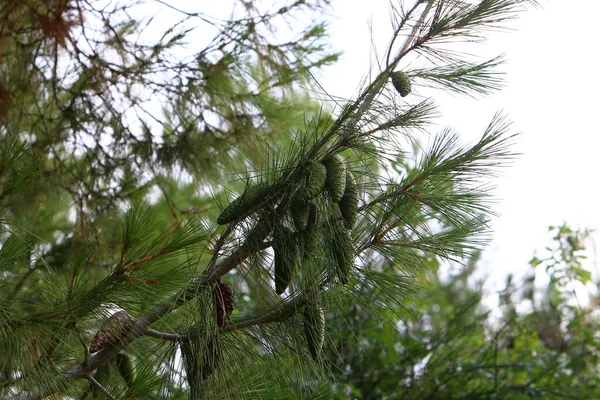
x: 120, y: 149
x: 452, y: 345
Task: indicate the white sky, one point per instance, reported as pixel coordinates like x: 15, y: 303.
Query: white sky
x: 551, y: 95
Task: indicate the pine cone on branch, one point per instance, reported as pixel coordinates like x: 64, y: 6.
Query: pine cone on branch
x: 112, y: 330
x: 224, y: 303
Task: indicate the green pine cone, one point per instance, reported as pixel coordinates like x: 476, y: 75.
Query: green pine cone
x: 312, y: 233
x: 314, y: 328
x: 241, y: 205
x: 401, y: 82
x: 125, y: 367
x: 300, y: 211
x: 349, y: 202
x: 285, y: 251
x: 315, y: 182
x: 336, y: 177
x: 343, y: 250
x: 261, y: 230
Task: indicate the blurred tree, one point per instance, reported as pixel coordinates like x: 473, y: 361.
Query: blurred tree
x: 451, y: 345
x: 122, y: 139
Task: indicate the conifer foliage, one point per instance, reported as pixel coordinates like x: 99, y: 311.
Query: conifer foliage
x: 179, y: 219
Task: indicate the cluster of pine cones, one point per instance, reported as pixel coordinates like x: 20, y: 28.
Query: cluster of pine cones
x: 327, y: 176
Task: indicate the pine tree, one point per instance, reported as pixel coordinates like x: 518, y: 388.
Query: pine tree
x: 201, y: 249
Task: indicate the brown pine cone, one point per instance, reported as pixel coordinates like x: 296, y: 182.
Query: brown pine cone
x: 112, y: 330
x: 223, y: 297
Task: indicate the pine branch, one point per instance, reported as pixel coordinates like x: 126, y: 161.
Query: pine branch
x: 279, y: 314
x: 464, y: 78
x: 141, y: 324
x: 413, y: 117
x: 479, y: 156
x: 353, y: 113
x: 397, y: 219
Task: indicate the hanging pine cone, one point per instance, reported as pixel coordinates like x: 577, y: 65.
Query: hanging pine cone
x: 114, y: 328
x: 285, y: 252
x: 315, y: 182
x: 401, y: 82
x: 251, y: 197
x: 224, y: 304
x: 283, y: 271
x: 213, y: 356
x: 314, y: 328
x: 261, y: 230
x: 336, y: 177
x: 342, y: 248
x: 349, y: 202
x: 299, y: 211
x: 312, y: 233
x: 102, y: 376
x: 201, y: 356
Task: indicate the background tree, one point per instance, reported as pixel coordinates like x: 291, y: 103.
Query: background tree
x: 451, y: 344
x: 106, y: 296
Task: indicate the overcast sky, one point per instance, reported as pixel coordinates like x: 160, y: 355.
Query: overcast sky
x: 551, y: 95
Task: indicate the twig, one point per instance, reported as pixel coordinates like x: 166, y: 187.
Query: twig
x: 100, y: 387
x: 278, y: 314
x: 369, y: 94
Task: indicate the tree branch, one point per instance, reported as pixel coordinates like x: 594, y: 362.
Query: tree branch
x: 278, y: 314
x: 141, y: 324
